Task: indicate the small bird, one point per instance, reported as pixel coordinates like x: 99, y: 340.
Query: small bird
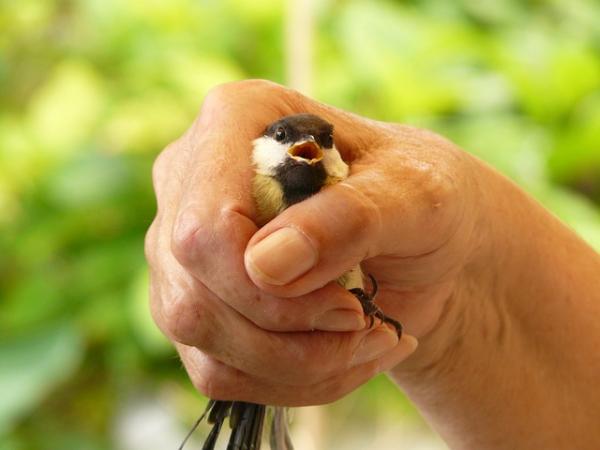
x: 294, y: 159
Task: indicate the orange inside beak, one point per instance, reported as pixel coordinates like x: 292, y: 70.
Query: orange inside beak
x: 309, y: 152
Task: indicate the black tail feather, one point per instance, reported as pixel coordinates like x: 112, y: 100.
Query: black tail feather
x: 218, y: 414
x: 211, y: 440
x: 258, y: 428
x: 245, y: 419
x: 246, y: 426
x: 238, y: 422
x: 219, y: 411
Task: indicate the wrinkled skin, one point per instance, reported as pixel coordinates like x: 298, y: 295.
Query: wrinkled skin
x: 503, y: 299
x: 411, y: 223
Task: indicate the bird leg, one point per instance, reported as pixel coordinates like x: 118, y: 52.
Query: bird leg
x: 371, y: 310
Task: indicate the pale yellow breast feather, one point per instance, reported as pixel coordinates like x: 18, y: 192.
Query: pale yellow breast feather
x: 269, y: 197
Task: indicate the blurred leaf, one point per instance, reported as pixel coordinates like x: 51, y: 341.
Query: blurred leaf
x: 142, y: 123
x: 64, y: 110
x: 259, y: 11
x: 33, y: 365
x: 398, y: 61
x: 577, y: 153
x: 195, y: 74
x: 514, y: 146
x: 550, y: 75
x: 17, y: 152
x: 20, y: 18
x: 88, y: 179
x: 9, y: 205
x: 494, y: 12
x: 31, y: 302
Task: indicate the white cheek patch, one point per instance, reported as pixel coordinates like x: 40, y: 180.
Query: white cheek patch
x: 334, y: 164
x: 268, y: 154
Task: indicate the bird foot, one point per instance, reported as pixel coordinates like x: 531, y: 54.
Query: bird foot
x: 371, y: 310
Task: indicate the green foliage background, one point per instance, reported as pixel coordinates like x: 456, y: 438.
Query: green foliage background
x: 92, y: 90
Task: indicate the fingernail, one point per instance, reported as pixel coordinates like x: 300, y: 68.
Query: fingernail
x: 281, y: 257
x: 339, y: 320
x: 375, y: 344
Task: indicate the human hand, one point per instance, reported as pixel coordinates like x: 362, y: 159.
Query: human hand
x: 242, y: 309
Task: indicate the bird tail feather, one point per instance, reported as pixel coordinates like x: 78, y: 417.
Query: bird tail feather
x: 280, y: 436
x: 247, y: 422
x: 218, y: 413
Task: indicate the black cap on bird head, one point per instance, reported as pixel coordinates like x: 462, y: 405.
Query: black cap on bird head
x: 307, y: 135
x: 301, y: 127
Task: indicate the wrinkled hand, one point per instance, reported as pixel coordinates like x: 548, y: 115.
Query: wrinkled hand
x: 254, y: 313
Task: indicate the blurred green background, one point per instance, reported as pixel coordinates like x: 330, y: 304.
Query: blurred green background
x: 92, y: 90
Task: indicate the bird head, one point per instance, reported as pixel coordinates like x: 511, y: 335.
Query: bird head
x: 294, y: 159
x: 298, y: 141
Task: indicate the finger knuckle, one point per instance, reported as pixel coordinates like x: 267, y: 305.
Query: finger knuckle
x: 274, y: 314
x: 219, y: 93
x: 317, y: 358
x: 333, y: 389
x: 235, y: 91
x: 162, y: 163
x: 209, y: 384
x: 339, y: 351
x: 199, y: 232
x: 303, y: 360
x: 367, y: 217
x: 188, y: 232
x: 159, y: 167
x: 440, y: 197
x: 150, y: 243
x: 439, y: 187
x: 365, y: 220
x: 213, y: 379
x: 281, y: 318
x: 185, y: 321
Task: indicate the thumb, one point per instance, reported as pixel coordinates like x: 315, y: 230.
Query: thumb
x: 315, y: 241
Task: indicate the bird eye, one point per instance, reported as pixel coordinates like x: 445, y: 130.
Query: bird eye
x: 280, y: 134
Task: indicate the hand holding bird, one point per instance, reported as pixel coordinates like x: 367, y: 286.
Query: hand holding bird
x: 228, y: 293
x: 493, y: 285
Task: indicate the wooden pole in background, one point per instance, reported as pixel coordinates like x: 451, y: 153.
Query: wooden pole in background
x: 299, y: 31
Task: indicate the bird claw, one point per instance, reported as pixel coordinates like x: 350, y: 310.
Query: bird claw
x: 371, y: 310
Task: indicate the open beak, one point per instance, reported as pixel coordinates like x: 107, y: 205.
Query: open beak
x: 308, y: 152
